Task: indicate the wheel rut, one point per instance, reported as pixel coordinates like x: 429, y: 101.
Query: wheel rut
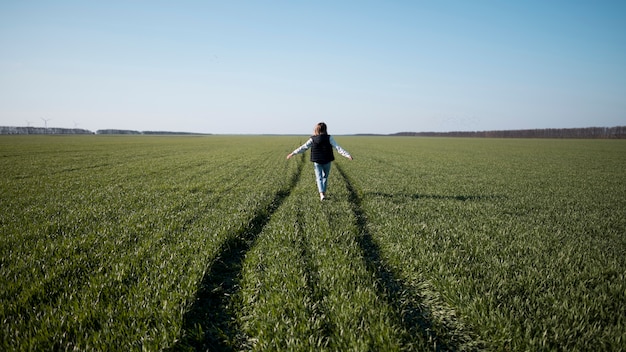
x: 413, y: 313
x: 316, y: 290
x: 209, y: 323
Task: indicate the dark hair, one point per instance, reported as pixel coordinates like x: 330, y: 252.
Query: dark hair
x: 320, y: 128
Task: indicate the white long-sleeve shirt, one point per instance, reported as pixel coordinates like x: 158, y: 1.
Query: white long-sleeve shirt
x: 303, y: 148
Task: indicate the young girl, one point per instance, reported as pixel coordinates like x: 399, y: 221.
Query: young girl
x: 321, y: 145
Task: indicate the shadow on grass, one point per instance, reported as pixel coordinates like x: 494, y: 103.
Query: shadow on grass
x: 413, y: 315
x: 209, y: 324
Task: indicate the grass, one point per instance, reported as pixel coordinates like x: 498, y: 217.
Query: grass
x: 104, y: 240
x: 521, y: 239
x: 217, y: 242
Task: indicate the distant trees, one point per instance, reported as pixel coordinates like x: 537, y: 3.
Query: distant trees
x: 111, y: 131
x: 618, y: 132
x: 42, y: 130
x: 55, y: 130
x: 161, y: 133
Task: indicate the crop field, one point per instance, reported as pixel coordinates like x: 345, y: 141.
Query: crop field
x: 220, y: 243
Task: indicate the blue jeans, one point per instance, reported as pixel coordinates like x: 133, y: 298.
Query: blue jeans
x: 321, y: 176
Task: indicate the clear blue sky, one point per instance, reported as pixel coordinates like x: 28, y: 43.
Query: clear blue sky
x: 282, y: 66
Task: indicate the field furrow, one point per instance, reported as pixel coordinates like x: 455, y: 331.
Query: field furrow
x: 414, y: 305
x: 208, y: 323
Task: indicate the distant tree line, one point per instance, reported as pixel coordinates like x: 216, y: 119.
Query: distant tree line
x: 42, y: 130
x: 618, y: 132
x: 162, y: 133
x: 56, y: 130
x: 111, y: 131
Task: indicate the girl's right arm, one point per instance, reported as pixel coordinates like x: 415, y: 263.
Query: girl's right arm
x: 303, y: 148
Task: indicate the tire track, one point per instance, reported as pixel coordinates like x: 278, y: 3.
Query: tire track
x: 209, y: 324
x: 316, y: 290
x: 413, y: 313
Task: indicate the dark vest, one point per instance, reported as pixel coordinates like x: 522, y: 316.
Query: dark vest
x: 322, y: 150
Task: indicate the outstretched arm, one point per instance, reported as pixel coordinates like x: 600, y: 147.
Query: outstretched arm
x: 339, y: 149
x: 303, y: 148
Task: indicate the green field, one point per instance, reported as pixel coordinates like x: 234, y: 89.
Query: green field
x: 219, y: 243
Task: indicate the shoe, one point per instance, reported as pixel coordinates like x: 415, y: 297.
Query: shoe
x: 322, y: 197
